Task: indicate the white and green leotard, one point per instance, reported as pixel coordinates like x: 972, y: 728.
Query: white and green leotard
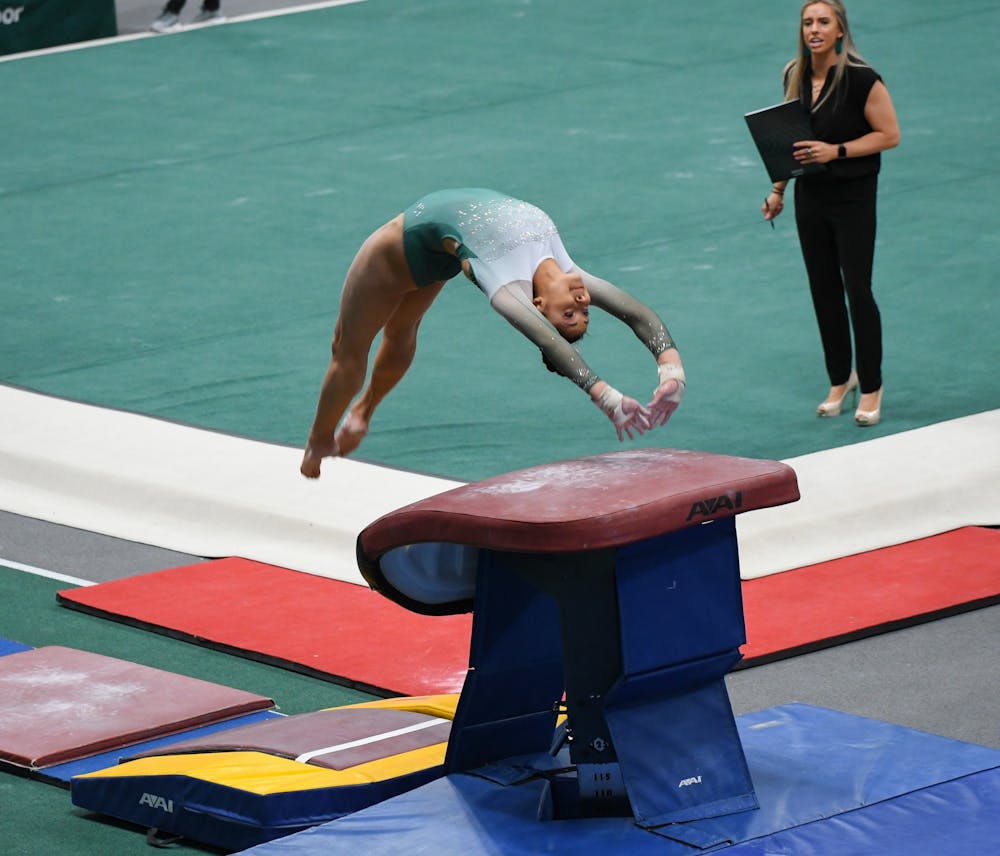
x: 505, y: 240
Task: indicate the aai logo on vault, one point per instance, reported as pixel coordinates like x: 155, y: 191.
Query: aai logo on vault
x: 708, y: 507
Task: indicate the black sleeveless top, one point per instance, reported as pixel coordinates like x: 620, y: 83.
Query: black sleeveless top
x: 842, y: 119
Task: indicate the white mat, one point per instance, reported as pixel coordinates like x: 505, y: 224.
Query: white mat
x: 190, y: 490
x: 878, y: 493
x: 213, y: 495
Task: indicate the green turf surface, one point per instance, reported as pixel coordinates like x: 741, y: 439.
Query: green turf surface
x: 179, y: 212
x: 47, y: 824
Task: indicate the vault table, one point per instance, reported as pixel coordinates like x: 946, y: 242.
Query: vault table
x: 605, y: 588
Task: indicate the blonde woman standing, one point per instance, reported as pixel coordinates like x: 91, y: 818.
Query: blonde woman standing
x: 853, y: 121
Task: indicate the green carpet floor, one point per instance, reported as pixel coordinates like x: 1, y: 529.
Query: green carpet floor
x: 178, y: 214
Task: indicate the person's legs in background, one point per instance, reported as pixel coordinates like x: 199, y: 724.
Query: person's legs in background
x: 821, y: 256
x: 855, y: 225
x: 169, y: 18
x: 210, y: 13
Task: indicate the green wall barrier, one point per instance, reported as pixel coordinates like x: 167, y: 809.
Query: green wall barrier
x: 33, y: 24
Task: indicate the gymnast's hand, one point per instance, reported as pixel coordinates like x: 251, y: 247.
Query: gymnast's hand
x: 315, y: 451
x: 664, y: 403
x: 631, y: 416
x: 667, y: 396
x: 626, y: 413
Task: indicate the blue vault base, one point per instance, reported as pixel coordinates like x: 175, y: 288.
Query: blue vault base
x: 827, y: 782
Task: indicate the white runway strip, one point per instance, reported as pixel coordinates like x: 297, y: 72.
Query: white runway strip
x: 878, y: 493
x: 214, y: 495
x: 190, y: 490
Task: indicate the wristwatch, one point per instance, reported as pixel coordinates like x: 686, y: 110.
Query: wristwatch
x: 841, y: 151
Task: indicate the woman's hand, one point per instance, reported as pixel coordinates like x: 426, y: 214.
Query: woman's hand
x: 814, y: 151
x: 773, y: 205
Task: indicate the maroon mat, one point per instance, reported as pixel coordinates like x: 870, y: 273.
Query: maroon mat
x: 338, y: 738
x: 60, y: 704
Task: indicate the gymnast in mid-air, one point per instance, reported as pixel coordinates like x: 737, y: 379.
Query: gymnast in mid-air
x: 512, y: 251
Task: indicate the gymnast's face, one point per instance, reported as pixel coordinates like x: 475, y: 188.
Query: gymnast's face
x: 565, y: 301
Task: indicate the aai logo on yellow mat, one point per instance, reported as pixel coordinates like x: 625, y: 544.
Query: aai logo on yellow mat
x: 155, y: 801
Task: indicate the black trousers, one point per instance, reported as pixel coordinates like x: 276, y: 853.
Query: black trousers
x: 836, y: 222
x: 175, y: 6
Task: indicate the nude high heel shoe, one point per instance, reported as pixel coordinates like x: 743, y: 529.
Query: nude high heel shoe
x: 868, y: 418
x: 833, y: 408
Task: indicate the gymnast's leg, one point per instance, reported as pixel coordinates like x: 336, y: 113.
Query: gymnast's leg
x: 393, y: 358
x: 377, y: 282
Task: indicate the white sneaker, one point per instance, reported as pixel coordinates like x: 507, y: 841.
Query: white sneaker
x: 166, y: 22
x: 209, y: 16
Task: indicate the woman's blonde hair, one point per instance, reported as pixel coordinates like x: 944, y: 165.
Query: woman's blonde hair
x: 847, y: 54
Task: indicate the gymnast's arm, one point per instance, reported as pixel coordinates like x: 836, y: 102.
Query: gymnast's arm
x: 651, y: 331
x: 626, y: 413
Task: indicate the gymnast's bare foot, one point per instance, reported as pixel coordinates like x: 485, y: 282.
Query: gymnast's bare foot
x: 312, y: 458
x: 351, y: 432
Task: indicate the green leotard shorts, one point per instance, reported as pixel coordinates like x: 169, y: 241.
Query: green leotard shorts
x: 428, y: 261
x: 426, y: 223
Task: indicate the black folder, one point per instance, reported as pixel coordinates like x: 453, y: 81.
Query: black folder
x: 774, y: 129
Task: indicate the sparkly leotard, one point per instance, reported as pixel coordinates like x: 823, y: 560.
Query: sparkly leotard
x: 505, y: 240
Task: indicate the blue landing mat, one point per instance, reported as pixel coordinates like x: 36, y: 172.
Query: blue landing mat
x: 9, y: 646
x: 813, y: 770
x: 957, y: 817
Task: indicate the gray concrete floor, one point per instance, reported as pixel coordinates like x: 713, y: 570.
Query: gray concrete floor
x: 77, y: 553
x: 939, y: 677
x: 135, y: 16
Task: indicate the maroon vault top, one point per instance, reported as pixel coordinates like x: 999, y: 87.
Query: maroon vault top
x: 586, y: 503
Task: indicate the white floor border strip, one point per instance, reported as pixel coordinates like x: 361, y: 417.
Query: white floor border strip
x: 209, y: 494
x: 44, y: 572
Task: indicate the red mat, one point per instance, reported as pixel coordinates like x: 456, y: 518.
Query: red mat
x: 857, y: 596
x: 60, y: 704
x: 300, y: 621
x: 347, y: 633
